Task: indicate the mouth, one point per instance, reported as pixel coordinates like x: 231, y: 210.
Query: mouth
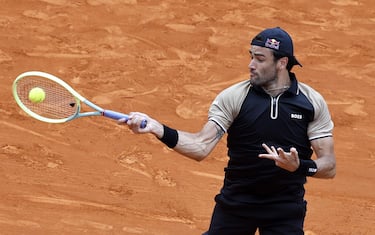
x: 252, y: 74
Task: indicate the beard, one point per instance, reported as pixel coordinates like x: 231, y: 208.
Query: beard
x: 264, y: 79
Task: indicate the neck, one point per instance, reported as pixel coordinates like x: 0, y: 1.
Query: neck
x: 277, y: 90
x: 285, y: 87
x: 279, y: 85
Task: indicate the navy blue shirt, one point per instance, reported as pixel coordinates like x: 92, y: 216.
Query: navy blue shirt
x: 283, y: 121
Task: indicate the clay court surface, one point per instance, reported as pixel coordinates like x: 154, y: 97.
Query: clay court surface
x: 170, y: 59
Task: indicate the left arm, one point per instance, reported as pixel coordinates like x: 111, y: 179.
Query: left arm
x: 326, y: 160
x: 324, y: 151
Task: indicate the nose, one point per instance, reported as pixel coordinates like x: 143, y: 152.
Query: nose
x: 251, y: 65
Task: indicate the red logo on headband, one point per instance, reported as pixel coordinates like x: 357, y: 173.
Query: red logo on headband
x: 272, y: 43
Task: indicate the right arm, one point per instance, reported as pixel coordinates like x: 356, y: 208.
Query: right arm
x: 196, y: 146
x: 199, y: 145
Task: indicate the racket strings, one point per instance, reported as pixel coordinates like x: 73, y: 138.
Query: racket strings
x: 59, y: 103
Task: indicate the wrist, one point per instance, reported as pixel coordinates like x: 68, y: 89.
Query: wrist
x: 169, y: 137
x: 158, y: 130
x: 307, y: 167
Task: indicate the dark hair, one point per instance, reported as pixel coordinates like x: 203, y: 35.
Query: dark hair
x: 278, y: 55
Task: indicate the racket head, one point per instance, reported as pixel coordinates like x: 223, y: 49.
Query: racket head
x: 61, y: 102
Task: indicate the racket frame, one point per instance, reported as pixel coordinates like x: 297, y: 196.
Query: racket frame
x: 79, y: 98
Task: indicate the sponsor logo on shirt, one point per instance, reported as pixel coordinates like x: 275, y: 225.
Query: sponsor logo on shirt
x: 296, y: 116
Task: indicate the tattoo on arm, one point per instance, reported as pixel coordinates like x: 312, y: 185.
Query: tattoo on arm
x: 219, y: 134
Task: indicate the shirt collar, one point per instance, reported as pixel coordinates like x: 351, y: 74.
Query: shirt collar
x: 293, y: 89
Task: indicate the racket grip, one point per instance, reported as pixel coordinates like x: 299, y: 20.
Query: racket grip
x: 117, y: 116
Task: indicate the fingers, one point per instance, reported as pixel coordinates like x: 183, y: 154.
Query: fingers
x: 286, y: 160
x: 281, y: 152
x: 136, y: 121
x: 293, y: 151
x: 140, y: 123
x: 122, y: 121
x: 271, y: 152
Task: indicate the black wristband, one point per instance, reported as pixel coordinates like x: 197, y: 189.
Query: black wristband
x: 307, y: 167
x: 170, y: 137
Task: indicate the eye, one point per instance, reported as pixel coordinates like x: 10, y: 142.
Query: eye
x: 259, y: 58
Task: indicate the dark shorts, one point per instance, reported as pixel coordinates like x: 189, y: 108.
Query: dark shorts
x: 275, y: 219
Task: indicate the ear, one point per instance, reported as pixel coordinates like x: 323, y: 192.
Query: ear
x: 283, y: 62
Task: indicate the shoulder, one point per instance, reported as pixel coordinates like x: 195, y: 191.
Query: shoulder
x: 233, y: 96
x: 322, y: 125
x: 308, y: 90
x: 227, y: 104
x: 311, y: 94
x: 238, y: 89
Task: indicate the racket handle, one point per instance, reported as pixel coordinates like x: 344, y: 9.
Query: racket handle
x: 116, y: 115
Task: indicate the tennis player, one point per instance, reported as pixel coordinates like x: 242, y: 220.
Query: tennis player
x: 274, y: 123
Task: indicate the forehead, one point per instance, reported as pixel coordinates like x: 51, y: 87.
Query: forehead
x: 258, y: 50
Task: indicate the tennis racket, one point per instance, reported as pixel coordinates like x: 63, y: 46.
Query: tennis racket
x: 61, y: 103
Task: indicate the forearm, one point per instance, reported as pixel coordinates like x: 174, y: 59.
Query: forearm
x: 196, y: 146
x: 326, y: 168
x: 326, y: 160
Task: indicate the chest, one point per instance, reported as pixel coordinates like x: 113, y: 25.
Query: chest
x: 263, y: 115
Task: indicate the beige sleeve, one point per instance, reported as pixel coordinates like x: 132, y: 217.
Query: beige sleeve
x: 226, y: 106
x: 322, y: 125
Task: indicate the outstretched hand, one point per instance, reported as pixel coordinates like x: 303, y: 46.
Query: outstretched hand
x: 135, y: 121
x: 286, y: 160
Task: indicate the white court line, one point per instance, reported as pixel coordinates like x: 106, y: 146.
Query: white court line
x: 208, y: 175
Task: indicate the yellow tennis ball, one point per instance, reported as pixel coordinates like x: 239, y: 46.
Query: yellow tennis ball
x: 37, y: 95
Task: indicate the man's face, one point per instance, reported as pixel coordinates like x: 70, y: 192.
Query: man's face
x: 263, y: 70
